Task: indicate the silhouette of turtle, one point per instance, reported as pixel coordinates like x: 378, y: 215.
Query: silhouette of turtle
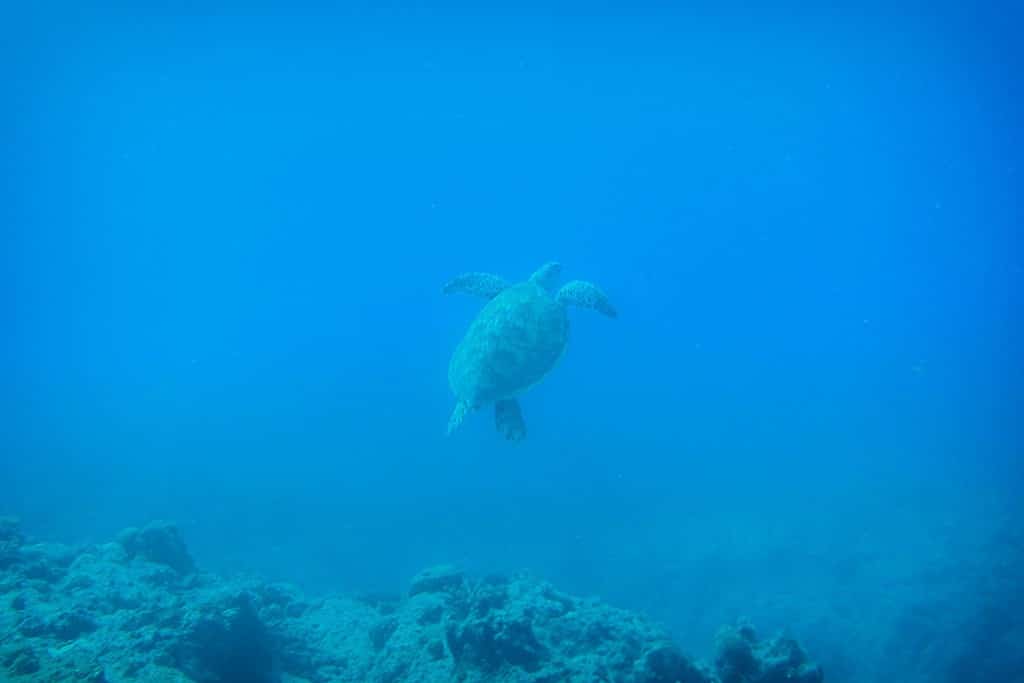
x: 514, y: 342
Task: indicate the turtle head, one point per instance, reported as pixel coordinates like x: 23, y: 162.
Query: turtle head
x: 547, y: 275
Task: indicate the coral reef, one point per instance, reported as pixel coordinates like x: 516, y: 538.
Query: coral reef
x: 139, y: 610
x: 743, y: 657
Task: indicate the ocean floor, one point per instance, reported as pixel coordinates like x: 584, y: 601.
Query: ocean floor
x: 138, y: 609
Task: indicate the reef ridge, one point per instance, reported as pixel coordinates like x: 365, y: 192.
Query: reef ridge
x: 138, y: 609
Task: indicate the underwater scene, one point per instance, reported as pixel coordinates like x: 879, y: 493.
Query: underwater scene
x: 527, y: 343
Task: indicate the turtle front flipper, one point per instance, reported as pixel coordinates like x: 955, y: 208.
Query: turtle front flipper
x: 481, y: 284
x: 587, y: 295
x: 508, y: 418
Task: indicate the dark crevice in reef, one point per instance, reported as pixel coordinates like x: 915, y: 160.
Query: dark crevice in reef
x: 138, y: 610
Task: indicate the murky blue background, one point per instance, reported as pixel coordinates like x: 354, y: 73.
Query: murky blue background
x: 226, y: 231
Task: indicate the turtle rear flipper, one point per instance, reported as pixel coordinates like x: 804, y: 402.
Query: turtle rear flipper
x: 508, y: 418
x: 587, y: 295
x: 481, y: 284
x: 458, y: 415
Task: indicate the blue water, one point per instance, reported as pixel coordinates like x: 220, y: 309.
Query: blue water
x: 226, y: 231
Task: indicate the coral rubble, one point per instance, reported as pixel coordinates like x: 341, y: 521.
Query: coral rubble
x: 139, y: 610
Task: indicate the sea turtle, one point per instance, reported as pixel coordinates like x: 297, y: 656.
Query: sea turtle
x: 514, y: 341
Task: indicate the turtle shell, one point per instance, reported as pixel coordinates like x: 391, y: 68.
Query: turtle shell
x: 512, y: 344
